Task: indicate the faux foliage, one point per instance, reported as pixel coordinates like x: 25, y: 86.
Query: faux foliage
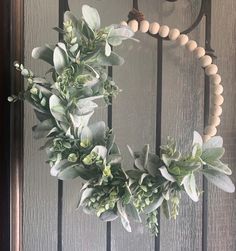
x: 65, y: 99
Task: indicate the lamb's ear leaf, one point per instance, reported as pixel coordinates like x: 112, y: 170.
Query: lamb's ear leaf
x: 166, y: 209
x: 113, y: 59
x: 123, y: 216
x: 132, y: 211
x: 57, y: 108
x: 60, y: 59
x: 44, y: 53
x: 108, y: 215
x: 219, y: 179
x: 154, y: 205
x: 84, y: 194
x: 214, y: 142
x: 91, y: 17
x: 189, y: 183
x: 197, y: 138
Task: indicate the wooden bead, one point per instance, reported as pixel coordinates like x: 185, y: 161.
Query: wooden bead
x: 182, y: 40
x: 218, y: 89
x: 144, y: 26
x: 164, y: 31
x: 218, y: 99
x: 215, y: 79
x: 174, y: 34
x: 211, y: 69
x: 133, y: 24
x: 123, y: 23
x: 214, y: 120
x: 154, y: 28
x: 205, y: 61
x: 210, y: 130
x: 206, y: 138
x: 191, y: 45
x: 199, y: 52
x: 216, y: 110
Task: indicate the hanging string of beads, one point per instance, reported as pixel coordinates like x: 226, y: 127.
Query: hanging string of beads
x: 137, y: 22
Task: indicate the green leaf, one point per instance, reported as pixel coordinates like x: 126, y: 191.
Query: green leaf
x: 86, y: 136
x: 113, y: 59
x: 214, y: 142
x: 68, y: 16
x: 85, y: 194
x: 68, y: 173
x: 220, y: 167
x: 124, y: 217
x: 98, y: 130
x: 91, y: 17
x: 166, y: 209
x: 219, y: 179
x: 197, y: 139
x: 44, y: 53
x: 182, y: 168
x: 154, y: 205
x: 190, y: 187
x: 134, y: 174
x: 101, y: 151
x: 197, y: 151
x: 60, y: 59
x: 109, y: 215
x: 153, y: 164
x: 107, y: 49
x: 132, y: 211
x: 117, y: 35
x: 114, y: 159
x: 143, y: 176
x: 145, y: 153
x: 212, y: 154
x: 41, y: 130
x: 57, y: 108
x: 166, y: 174
x: 86, y: 173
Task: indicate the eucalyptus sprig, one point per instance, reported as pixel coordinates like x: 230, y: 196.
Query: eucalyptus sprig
x: 65, y: 99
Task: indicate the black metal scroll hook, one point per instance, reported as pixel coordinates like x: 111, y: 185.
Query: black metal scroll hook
x: 205, y: 10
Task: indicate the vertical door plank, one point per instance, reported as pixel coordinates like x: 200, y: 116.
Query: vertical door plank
x: 40, y: 189
x: 134, y: 115
x: 222, y: 206
x: 183, y: 96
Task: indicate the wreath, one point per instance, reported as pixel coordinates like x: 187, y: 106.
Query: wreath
x: 65, y: 100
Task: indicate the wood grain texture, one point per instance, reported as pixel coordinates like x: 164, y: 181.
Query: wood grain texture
x: 40, y: 189
x: 182, y: 113
x: 222, y: 206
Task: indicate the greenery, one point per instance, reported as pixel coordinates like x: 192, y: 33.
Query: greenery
x: 64, y: 100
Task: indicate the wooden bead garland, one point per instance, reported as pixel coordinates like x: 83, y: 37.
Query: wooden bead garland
x: 199, y: 52
x: 182, y: 40
x: 191, y: 45
x: 174, y: 34
x: 144, y: 26
x: 133, y: 24
x: 164, y: 31
x: 154, y: 28
x: 205, y: 62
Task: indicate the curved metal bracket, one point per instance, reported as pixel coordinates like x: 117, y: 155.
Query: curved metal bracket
x: 205, y: 10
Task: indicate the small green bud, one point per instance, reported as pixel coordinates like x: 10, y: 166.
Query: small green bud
x: 34, y: 91
x: 107, y: 171
x: 43, y: 102
x: 72, y: 157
